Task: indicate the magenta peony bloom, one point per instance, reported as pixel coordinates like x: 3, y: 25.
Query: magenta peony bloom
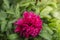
x: 28, y: 26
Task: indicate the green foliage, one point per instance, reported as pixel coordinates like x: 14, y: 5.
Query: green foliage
x: 49, y: 11
x: 45, y: 12
x: 13, y: 37
x: 46, y: 32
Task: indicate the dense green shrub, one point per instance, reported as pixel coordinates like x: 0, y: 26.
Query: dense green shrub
x: 49, y: 11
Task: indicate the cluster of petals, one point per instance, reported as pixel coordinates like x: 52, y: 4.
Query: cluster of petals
x: 29, y: 25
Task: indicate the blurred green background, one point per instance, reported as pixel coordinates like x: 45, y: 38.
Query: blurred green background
x: 49, y: 11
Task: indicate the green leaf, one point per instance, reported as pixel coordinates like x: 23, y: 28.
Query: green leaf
x: 56, y: 15
x: 39, y: 38
x: 10, y: 10
x: 6, y: 4
x: 46, y: 33
x: 9, y: 25
x: 52, y: 4
x: 3, y: 25
x: 12, y: 37
x: 17, y: 11
x: 45, y: 12
x: 27, y: 3
x: 3, y: 15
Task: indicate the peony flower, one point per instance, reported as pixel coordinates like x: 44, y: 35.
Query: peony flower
x: 29, y: 25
